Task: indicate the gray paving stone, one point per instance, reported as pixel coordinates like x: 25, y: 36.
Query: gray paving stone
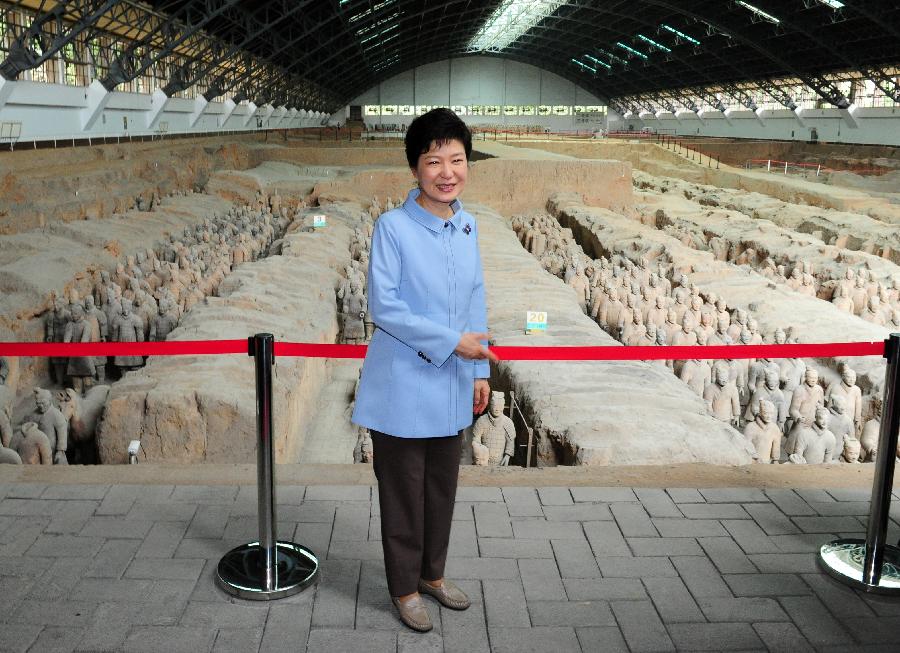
x: 66, y: 525
x: 210, y: 521
x: 335, y: 604
x: 575, y: 559
x: 112, y: 622
x: 464, y: 631
x: 204, y: 494
x: 606, y: 639
x: 375, y: 527
x: 841, y: 508
x: 672, y: 600
x: 24, y: 490
x: 714, y: 637
x: 356, y: 550
x: 875, y: 630
x: 829, y: 524
x: 555, y: 496
x: 163, y: 539
x: 604, y: 589
x: 714, y: 511
x: 17, y: 638
x: 733, y: 495
x: 230, y: 640
x: 463, y: 540
x: 503, y: 547
x: 103, y: 590
x: 172, y: 639
x: 431, y: 642
x: 782, y: 638
x: 850, y: 494
x: 641, y: 626
x: 664, y: 546
x: 570, y: 613
x: 685, y: 495
x: 603, y: 494
x: 657, y: 503
x: 155, y: 494
x: 800, y: 542
x: 61, y: 575
x: 771, y: 519
x: 285, y: 494
x: 338, y: 493
x: 766, y: 584
x: 462, y: 511
x: 176, y: 591
x: 522, y: 502
x: 204, y: 548
x: 606, y: 539
x: 309, y: 511
x: 481, y: 568
x: 21, y: 536
x: 116, y: 527
x: 541, y: 639
x: 287, y: 627
x: 726, y: 555
x: 157, y: 512
x: 473, y: 494
x: 337, y: 640
x: 700, y: 576
x: 811, y: 495
x: 544, y: 530
x: 492, y: 520
x: 633, y: 520
x: 165, y: 568
x: 375, y: 610
x: 56, y: 640
x: 314, y: 536
x: 541, y: 580
x: 74, y: 613
x: 749, y: 536
x: 351, y: 523
x: 838, y: 598
x: 68, y: 492
x: 225, y: 615
x: 28, y: 507
x: 789, y: 502
x: 815, y: 622
x: 689, y: 527
x: 578, y: 512
x: 644, y: 567
x: 747, y: 609
x: 70, y: 546
x: 504, y: 602
x: 784, y: 563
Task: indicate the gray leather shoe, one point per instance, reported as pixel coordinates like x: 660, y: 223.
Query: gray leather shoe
x: 414, y: 614
x: 447, y: 594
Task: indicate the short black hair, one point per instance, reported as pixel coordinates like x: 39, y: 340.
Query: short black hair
x: 437, y: 126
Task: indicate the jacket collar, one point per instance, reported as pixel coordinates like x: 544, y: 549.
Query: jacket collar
x: 429, y: 219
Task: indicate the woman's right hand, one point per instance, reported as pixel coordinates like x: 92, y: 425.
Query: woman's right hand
x: 470, y: 347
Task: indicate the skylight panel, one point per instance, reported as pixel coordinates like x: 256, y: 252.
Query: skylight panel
x: 379, y: 43
x: 381, y: 33
x: 658, y: 46
x: 510, y: 20
x: 680, y: 34
x: 611, y: 56
x: 378, y: 23
x: 759, y: 12
x: 375, y: 8
x: 630, y: 49
x: 585, y: 66
x: 834, y: 4
x: 598, y: 62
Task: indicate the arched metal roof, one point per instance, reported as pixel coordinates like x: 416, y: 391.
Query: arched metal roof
x: 326, y: 52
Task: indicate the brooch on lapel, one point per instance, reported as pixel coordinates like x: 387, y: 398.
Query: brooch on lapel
x: 467, y: 229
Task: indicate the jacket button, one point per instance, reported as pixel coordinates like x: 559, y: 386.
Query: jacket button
x: 446, y: 224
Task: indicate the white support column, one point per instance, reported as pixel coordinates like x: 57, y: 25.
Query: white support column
x: 97, y: 98
x: 6, y: 89
x: 288, y: 121
x: 799, y: 111
x: 690, y: 115
x: 251, y: 112
x: 200, y: 104
x: 267, y: 113
x: 849, y: 116
x: 277, y: 116
x: 230, y: 106
x: 758, y: 114
x: 703, y: 113
x: 158, y: 102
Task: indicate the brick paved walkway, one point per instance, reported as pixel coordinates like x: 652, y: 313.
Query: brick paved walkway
x: 129, y: 568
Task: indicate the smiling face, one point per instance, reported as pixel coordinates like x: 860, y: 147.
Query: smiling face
x: 441, y: 173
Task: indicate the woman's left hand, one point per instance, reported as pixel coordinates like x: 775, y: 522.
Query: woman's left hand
x: 482, y: 393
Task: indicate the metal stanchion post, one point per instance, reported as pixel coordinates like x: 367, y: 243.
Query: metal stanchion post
x: 870, y: 564
x: 266, y: 569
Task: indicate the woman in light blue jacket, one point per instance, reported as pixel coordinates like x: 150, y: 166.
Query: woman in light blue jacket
x: 426, y: 369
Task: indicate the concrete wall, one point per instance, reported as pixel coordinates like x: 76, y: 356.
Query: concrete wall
x: 873, y: 125
x: 480, y: 80
x: 57, y: 111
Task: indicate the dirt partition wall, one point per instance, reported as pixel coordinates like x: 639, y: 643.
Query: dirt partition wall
x: 507, y: 185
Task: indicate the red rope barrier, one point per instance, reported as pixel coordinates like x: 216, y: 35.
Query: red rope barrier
x: 315, y: 350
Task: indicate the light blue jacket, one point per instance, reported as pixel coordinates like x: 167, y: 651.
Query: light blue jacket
x: 425, y: 288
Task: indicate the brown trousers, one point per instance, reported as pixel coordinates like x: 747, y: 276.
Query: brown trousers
x: 416, y: 492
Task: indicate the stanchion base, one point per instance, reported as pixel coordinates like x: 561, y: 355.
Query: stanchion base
x: 843, y: 561
x: 241, y: 571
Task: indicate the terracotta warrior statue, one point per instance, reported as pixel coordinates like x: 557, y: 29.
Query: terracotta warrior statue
x: 51, y: 422
x: 81, y: 369
x: 721, y: 396
x: 840, y: 424
x: 496, y: 431
x: 851, y: 393
x: 868, y: 439
x: 354, y: 308
x: 127, y: 327
x: 768, y: 392
x: 814, y: 443
x: 764, y: 433
x: 33, y: 446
